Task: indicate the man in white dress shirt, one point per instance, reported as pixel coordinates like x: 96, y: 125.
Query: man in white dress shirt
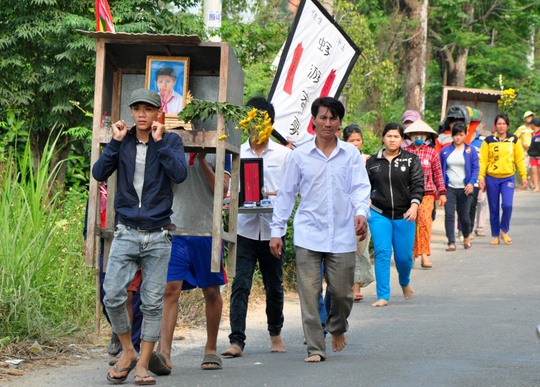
x: 253, y: 247
x: 334, y: 188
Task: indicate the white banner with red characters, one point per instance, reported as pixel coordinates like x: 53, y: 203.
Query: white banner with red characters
x: 316, y: 61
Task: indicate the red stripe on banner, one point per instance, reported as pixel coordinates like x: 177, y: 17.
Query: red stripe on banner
x: 310, y: 126
x: 292, y: 69
x: 251, y: 182
x: 325, y: 91
x: 328, y: 84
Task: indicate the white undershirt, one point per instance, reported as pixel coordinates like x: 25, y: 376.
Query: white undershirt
x: 456, y: 169
x: 140, y: 166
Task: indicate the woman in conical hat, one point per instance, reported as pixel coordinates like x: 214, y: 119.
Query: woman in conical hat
x: 419, y: 133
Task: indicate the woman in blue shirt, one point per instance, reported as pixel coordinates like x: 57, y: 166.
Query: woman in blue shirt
x: 460, y: 167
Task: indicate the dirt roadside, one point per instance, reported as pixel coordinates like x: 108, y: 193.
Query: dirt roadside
x: 37, y: 365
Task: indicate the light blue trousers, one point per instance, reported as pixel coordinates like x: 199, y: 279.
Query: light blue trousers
x: 388, y: 235
x: 130, y: 249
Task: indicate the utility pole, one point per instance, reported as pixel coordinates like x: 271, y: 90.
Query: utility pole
x: 212, y: 19
x: 329, y: 6
x: 424, y: 31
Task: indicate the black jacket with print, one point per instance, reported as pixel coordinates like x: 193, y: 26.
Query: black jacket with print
x: 396, y: 185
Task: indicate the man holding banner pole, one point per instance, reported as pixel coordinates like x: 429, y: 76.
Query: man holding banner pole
x: 334, y: 189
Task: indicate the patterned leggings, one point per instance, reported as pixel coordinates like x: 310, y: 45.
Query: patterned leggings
x: 423, y: 227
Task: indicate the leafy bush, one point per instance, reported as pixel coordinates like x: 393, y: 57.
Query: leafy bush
x: 44, y: 288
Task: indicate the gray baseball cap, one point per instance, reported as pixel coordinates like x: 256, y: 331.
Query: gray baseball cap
x: 148, y: 96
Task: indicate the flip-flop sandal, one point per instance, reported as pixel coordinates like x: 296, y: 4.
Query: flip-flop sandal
x: 358, y: 298
x: 144, y: 380
x: 114, y: 348
x: 212, y: 362
x: 451, y: 248
x: 122, y: 379
x: 158, y: 364
x: 506, y: 239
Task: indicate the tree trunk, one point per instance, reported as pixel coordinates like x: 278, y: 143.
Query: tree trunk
x: 456, y: 76
x: 61, y: 157
x: 415, y: 63
x: 458, y: 72
x: 530, y: 54
x: 38, y: 140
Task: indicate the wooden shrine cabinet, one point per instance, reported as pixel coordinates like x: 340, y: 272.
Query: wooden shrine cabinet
x: 214, y: 74
x: 484, y: 100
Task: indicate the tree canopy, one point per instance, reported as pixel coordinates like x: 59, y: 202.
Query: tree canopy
x: 48, y: 67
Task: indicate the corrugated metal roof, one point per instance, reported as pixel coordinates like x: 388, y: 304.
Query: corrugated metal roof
x: 473, y: 91
x: 150, y: 38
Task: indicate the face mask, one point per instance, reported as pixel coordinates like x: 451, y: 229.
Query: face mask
x: 419, y: 140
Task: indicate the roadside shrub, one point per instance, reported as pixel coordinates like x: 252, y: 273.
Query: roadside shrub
x: 45, y: 290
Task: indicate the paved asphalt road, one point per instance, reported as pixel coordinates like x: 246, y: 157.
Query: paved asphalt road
x: 471, y: 323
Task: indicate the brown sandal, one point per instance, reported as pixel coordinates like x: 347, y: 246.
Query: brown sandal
x: 451, y: 248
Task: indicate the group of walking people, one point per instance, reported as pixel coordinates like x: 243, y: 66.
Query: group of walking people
x: 340, y: 191
x: 486, y: 165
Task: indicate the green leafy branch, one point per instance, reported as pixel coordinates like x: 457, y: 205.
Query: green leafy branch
x: 200, y: 110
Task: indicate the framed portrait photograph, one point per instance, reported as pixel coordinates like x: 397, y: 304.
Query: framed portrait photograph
x: 251, y: 180
x: 168, y: 75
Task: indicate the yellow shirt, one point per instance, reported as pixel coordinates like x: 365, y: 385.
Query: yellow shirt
x: 524, y: 134
x: 499, y: 158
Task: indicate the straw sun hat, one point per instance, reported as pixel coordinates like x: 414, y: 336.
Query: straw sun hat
x: 420, y: 126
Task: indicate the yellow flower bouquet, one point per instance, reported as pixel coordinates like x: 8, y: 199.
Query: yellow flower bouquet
x: 257, y: 125
x: 507, y: 100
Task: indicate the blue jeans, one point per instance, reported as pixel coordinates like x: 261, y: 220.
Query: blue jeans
x: 130, y: 249
x: 387, y: 235
x: 135, y: 307
x: 497, y: 189
x: 474, y: 204
x: 456, y: 198
x: 250, y: 252
x: 325, y: 303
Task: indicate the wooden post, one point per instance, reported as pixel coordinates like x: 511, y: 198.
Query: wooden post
x: 219, y: 186
x: 92, y: 248
x: 444, y: 102
x: 233, y: 214
x: 93, y: 196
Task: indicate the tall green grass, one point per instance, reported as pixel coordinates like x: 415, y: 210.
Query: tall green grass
x: 45, y: 290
